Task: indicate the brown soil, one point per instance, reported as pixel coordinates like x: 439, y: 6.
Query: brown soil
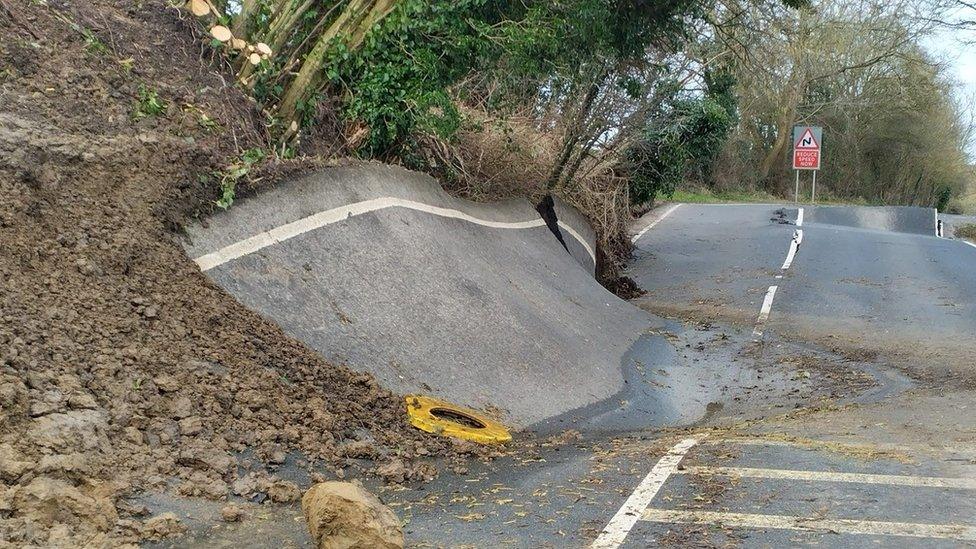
x: 122, y: 368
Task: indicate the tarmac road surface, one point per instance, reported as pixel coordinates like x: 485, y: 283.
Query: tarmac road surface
x: 835, y: 411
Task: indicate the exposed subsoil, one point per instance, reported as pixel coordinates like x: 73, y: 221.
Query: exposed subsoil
x: 122, y: 367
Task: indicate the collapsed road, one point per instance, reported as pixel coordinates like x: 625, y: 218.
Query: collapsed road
x: 794, y: 375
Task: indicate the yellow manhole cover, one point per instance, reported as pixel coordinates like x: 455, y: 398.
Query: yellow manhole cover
x: 441, y: 418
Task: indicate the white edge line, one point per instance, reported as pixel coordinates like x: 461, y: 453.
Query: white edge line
x: 799, y: 217
x: 969, y: 243
x: 794, y: 246
x: 830, y: 476
x: 579, y: 238
x: 840, y: 526
x: 764, y: 311
x: 666, y: 213
x: 619, y: 526
x: 327, y: 217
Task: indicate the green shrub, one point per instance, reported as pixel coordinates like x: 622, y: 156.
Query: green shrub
x: 149, y: 103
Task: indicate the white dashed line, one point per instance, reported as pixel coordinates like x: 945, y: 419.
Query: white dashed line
x: 666, y: 213
x: 327, y: 217
x: 836, y: 526
x: 830, y: 476
x: 771, y: 292
x: 764, y: 311
x: 620, y: 525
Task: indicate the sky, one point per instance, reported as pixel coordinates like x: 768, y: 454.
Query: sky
x: 961, y: 61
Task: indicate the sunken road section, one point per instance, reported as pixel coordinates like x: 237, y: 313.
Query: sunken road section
x: 477, y: 304
x: 898, y: 219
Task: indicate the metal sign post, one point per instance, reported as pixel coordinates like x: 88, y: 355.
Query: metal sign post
x: 806, y: 155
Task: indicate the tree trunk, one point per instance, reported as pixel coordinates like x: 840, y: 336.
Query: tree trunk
x: 352, y: 24
x: 241, y: 22
x: 574, y: 131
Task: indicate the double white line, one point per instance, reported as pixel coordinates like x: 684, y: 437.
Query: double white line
x: 633, y: 509
x: 637, y: 507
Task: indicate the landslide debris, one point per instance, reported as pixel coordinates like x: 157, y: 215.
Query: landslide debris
x: 122, y: 368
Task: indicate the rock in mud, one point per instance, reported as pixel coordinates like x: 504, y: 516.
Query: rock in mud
x: 393, y: 472
x: 345, y: 515
x: 49, y: 501
x: 284, y: 491
x: 77, y: 430
x: 231, y: 513
x: 163, y: 526
x: 12, y: 463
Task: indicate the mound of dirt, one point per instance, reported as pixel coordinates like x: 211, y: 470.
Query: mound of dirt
x: 122, y: 368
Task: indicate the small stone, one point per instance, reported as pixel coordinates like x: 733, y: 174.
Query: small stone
x: 284, y: 491
x: 166, y: 383
x: 66, y: 463
x: 78, y: 430
x: 82, y: 401
x: 277, y: 456
x: 7, y: 498
x: 231, y: 513
x: 191, y: 425
x: 207, y: 458
x: 393, y: 471
x: 180, y: 407
x: 358, y: 449
x: 134, y: 435
x: 163, y: 526
x: 12, y: 463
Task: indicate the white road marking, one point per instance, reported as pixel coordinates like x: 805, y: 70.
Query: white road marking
x: 799, y: 217
x: 666, y: 213
x: 969, y: 243
x: 838, y: 526
x: 619, y: 526
x: 794, y: 246
x: 579, y: 238
x: 327, y: 217
x: 764, y: 311
x: 830, y: 476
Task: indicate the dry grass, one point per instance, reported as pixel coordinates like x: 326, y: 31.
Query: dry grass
x: 495, y: 159
x: 967, y: 231
x: 965, y: 204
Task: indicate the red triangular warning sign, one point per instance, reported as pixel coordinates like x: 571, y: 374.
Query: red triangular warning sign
x: 807, y: 142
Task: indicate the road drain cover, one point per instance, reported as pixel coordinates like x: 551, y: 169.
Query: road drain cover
x: 442, y: 418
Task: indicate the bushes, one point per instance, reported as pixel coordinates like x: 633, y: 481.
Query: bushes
x: 682, y: 141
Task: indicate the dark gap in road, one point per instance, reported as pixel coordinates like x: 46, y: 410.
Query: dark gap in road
x: 547, y: 210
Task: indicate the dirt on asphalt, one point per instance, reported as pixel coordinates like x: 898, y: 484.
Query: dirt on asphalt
x: 122, y: 367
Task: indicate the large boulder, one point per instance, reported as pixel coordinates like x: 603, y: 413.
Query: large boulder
x: 343, y: 515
